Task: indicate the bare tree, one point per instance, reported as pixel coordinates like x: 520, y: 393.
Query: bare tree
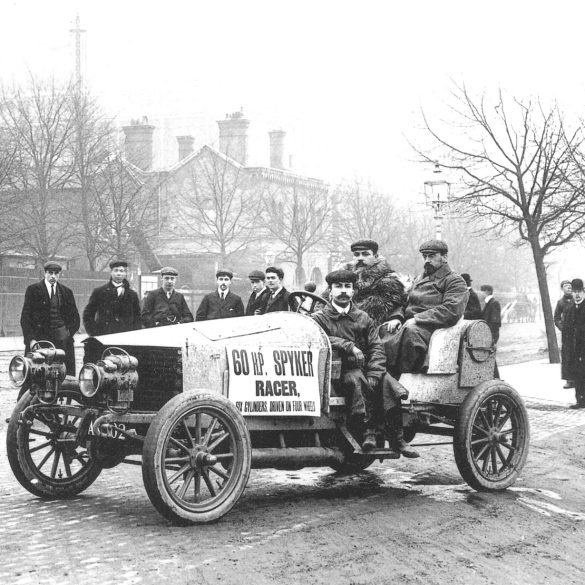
x: 37, y: 120
x: 216, y: 206
x: 517, y: 164
x: 299, y: 217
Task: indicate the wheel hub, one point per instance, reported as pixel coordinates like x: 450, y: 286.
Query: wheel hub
x: 199, y: 457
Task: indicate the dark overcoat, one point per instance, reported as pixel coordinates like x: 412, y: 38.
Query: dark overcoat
x: 256, y: 302
x: 278, y: 303
x: 159, y: 310
x: 106, y: 312
x: 435, y: 301
x: 574, y: 343
x: 561, y: 310
x: 473, y: 308
x: 492, y: 315
x: 35, y: 318
x: 214, y: 307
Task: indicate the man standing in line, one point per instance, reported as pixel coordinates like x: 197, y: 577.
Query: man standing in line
x: 259, y: 297
x: 221, y: 303
x: 437, y: 299
x: 278, y: 299
x: 473, y: 308
x: 50, y: 314
x: 113, y: 307
x: 574, y: 336
x: 492, y: 315
x: 563, y: 305
x: 166, y: 306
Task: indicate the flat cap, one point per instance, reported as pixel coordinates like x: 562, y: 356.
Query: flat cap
x: 224, y: 272
x: 169, y: 271
x: 341, y: 276
x: 256, y: 275
x: 466, y: 278
x: 365, y: 245
x: 434, y: 246
x: 577, y: 284
x: 116, y: 263
x: 52, y: 265
x: 563, y: 282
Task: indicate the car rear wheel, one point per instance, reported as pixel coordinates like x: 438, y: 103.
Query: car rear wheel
x: 197, y: 458
x: 491, y: 436
x: 43, y: 453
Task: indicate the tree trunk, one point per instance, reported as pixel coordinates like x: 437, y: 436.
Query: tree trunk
x: 299, y: 272
x: 551, y: 337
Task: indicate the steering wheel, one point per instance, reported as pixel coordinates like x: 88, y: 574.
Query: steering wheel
x: 297, y: 298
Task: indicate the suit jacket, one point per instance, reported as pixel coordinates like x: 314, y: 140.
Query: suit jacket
x: 491, y: 314
x: 473, y: 308
x: 562, y: 305
x: 257, y: 302
x: 106, y: 312
x: 279, y: 303
x: 213, y: 307
x: 159, y: 310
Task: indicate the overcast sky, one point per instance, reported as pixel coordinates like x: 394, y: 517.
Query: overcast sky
x: 345, y: 79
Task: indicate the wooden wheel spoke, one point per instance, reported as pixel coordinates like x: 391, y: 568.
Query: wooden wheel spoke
x: 188, y: 478
x: 508, y: 446
x: 208, y: 482
x: 209, y: 431
x: 38, y: 447
x: 483, y: 416
x: 504, y: 421
x: 481, y: 430
x: 480, y: 441
x: 55, y: 463
x: 494, y: 458
x: 217, y: 441
x: 187, y: 432
x: 178, y: 444
x: 198, y: 427
x: 67, y: 466
x: 176, y: 460
x: 197, y: 485
x: 219, y: 472
x: 486, y: 461
x: 481, y: 454
x: 508, y: 431
x: 41, y: 433
x: 46, y: 458
x: 498, y: 412
x: 490, y: 412
x: 501, y: 455
x: 179, y: 473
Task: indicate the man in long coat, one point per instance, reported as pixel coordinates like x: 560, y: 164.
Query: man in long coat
x: 437, y: 299
x: 260, y: 293
x: 563, y: 305
x: 50, y: 314
x: 221, y: 303
x: 165, y: 306
x: 473, y: 308
x: 113, y: 307
x: 574, y: 335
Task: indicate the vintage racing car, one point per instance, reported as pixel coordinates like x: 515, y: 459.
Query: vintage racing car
x: 203, y: 403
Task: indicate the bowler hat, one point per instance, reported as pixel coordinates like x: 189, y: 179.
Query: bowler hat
x: 52, y: 265
x: 169, y: 271
x: 116, y: 263
x: 466, y: 278
x: 434, y: 246
x: 341, y: 276
x: 365, y: 245
x: 256, y: 275
x: 224, y: 272
x: 577, y: 284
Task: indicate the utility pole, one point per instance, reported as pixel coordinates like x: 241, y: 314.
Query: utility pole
x: 77, y: 31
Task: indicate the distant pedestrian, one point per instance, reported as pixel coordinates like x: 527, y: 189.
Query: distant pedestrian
x: 257, y: 301
x: 221, y: 303
x: 473, y: 308
x: 278, y: 299
x: 166, y: 306
x: 113, y: 307
x: 310, y: 286
x: 574, y: 345
x: 50, y: 314
x: 563, y: 305
x: 492, y: 315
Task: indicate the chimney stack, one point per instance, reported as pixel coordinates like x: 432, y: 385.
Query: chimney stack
x: 138, y: 143
x: 185, y: 146
x: 277, y: 148
x: 233, y: 136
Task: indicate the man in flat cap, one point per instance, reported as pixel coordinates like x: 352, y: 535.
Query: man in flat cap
x: 354, y: 336
x: 221, y: 303
x: 473, y: 308
x: 574, y: 341
x: 257, y: 301
x: 165, y: 306
x: 113, y: 307
x: 563, y: 305
x: 278, y: 299
x: 437, y: 299
x: 50, y: 314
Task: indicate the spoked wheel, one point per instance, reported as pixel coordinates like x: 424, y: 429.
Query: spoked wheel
x: 491, y: 436
x: 197, y: 458
x: 43, y: 453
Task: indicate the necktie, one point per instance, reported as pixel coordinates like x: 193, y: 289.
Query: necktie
x: 52, y: 291
x: 222, y: 296
x: 120, y: 291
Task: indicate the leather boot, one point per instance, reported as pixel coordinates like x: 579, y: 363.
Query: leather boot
x: 370, y: 423
x: 395, y: 434
x: 369, y: 440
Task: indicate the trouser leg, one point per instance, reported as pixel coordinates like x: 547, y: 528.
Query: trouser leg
x: 395, y: 433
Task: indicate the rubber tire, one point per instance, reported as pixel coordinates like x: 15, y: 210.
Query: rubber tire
x: 462, y: 437
x: 23, y: 468
x: 154, y: 451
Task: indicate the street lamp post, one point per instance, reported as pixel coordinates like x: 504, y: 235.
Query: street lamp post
x: 437, y: 194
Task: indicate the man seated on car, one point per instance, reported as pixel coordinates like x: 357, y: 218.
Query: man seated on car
x: 353, y: 334
x: 437, y: 299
